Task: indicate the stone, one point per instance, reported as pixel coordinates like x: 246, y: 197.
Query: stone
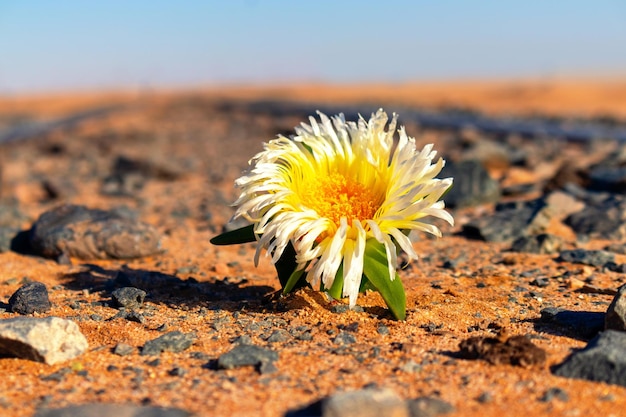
x: 510, y: 221
x: 472, y: 184
x: 128, y: 297
x: 117, y: 410
x: 30, y: 298
x: 7, y: 234
x: 84, y: 233
x: 581, y: 324
x: 611, y: 179
x: 587, y: 257
x: 602, y: 220
x: 368, y: 402
x: 171, y: 342
x: 122, y: 349
x: 562, y: 204
x: 247, y: 355
x: 49, y: 340
x: 543, y: 243
x: 429, y: 407
x: 615, y: 318
x: 344, y: 338
x: 603, y: 359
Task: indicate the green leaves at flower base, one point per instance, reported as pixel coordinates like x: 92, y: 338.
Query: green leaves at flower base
x: 376, y: 270
x: 234, y: 237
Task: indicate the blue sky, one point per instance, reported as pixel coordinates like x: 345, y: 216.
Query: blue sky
x: 50, y: 45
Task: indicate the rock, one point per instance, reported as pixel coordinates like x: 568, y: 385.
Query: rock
x: 122, y: 349
x: 92, y: 234
x: 7, y: 234
x: 128, y: 297
x: 129, y: 175
x: 510, y: 221
x: 117, y: 410
x: 554, y: 393
x: 248, y: 355
x: 369, y: 402
x: 603, y: 359
x: 581, y: 324
x: 615, y: 318
x: 515, y: 350
x: 171, y: 342
x: 50, y: 340
x: 344, y: 338
x: 619, y: 248
x: 30, y: 298
x: 472, y: 184
x: 602, y: 220
x: 543, y: 243
x: 586, y: 257
x: 562, y: 204
x: 611, y: 179
x: 429, y: 407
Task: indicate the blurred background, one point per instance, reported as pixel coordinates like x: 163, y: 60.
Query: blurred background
x: 69, y: 45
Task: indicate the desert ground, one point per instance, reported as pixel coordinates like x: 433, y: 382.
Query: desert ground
x: 170, y: 159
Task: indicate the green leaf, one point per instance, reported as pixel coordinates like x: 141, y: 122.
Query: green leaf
x: 336, y: 290
x: 293, y: 280
x: 233, y: 237
x: 286, y: 270
x: 376, y: 270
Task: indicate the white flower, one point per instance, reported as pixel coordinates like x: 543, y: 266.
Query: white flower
x: 335, y: 185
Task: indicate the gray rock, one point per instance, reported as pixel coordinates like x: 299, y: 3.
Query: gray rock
x: 586, y: 257
x: 603, y: 359
x: 171, y: 342
x: 581, y: 324
x: 247, y: 355
x: 344, y: 338
x: 50, y: 340
x: 602, y: 220
x: 30, y: 298
x: 369, y: 402
x: 543, y: 243
x: 562, y: 204
x: 128, y: 297
x: 611, y: 179
x: 122, y: 349
x: 510, y: 221
x: 117, y: 410
x: 616, y: 314
x: 7, y: 234
x: 619, y: 248
x: 92, y: 234
x: 554, y: 393
x: 472, y: 184
x: 429, y: 407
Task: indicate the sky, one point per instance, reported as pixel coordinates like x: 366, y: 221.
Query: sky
x: 57, y: 45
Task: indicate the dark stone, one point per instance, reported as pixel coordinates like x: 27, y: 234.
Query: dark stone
x: 580, y: 324
x: 472, y: 184
x: 515, y: 350
x: 619, y: 248
x: 601, y: 220
x: 510, y: 221
x: 278, y: 336
x: 30, y: 298
x: 603, y: 359
x: 171, y: 342
x: 7, y: 234
x: 611, y: 179
x: 247, y: 355
x: 128, y: 297
x: 615, y: 318
x: 344, y: 338
x: 554, y: 393
x: 117, y: 410
x: 129, y: 175
x: 586, y: 257
x: 92, y: 234
x: 543, y: 243
x: 429, y: 407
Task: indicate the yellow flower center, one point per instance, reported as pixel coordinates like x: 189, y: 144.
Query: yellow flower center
x: 335, y: 196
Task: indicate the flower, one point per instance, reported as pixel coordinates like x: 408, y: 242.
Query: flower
x: 337, y: 186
